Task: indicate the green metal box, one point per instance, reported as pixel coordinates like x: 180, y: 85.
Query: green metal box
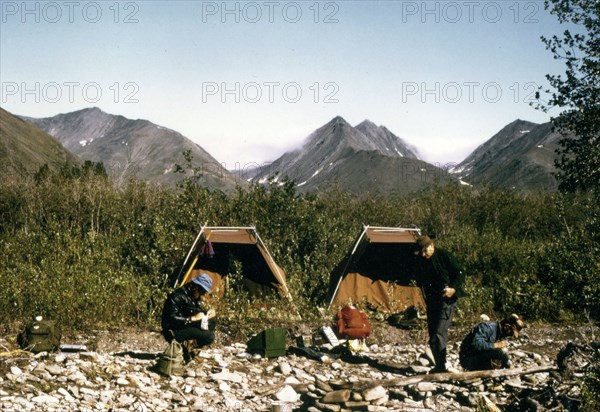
x: 269, y: 343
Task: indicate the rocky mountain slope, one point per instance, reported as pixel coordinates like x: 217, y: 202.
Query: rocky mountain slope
x: 24, y: 147
x: 521, y: 156
x: 365, y: 158
x: 131, y: 148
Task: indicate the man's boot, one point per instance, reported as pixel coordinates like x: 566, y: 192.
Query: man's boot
x: 440, y: 362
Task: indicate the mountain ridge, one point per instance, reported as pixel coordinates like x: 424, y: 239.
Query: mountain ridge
x: 520, y: 155
x: 132, y: 148
x: 24, y: 148
x: 335, y: 152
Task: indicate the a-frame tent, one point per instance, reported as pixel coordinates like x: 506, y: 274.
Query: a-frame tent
x: 242, y: 244
x: 379, y: 269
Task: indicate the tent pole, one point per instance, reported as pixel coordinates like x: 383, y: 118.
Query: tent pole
x: 278, y: 275
x: 189, y: 254
x: 365, y: 227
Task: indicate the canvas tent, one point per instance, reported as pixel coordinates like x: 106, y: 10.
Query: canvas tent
x: 378, y: 269
x: 233, y: 246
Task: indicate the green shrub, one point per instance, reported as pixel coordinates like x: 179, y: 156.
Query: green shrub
x: 78, y: 248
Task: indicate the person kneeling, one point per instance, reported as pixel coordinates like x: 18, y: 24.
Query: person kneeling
x: 185, y: 317
x: 486, y: 344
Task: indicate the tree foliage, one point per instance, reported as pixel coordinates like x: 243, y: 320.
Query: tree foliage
x: 577, y: 92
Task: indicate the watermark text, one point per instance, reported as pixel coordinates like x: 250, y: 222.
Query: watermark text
x: 271, y: 92
x: 270, y: 11
x: 470, y: 11
x: 55, y: 92
x: 69, y: 11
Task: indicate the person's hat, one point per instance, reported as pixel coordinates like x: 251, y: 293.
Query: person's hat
x: 424, y: 242
x: 516, y: 323
x: 204, y: 281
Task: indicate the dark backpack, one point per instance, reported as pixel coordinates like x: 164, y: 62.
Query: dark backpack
x: 41, y: 336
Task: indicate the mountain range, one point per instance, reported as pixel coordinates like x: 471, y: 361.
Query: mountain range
x: 365, y: 158
x: 361, y: 158
x: 131, y: 148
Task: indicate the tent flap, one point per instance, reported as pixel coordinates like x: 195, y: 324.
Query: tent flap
x: 237, y: 250
x: 379, y: 271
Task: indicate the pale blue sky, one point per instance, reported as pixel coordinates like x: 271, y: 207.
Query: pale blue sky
x: 443, y: 75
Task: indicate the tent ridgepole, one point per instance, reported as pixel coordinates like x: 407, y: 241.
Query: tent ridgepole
x: 189, y: 254
x: 365, y: 227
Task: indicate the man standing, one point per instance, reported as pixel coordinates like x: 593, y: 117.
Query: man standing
x: 184, y: 316
x: 485, y: 343
x: 441, y: 279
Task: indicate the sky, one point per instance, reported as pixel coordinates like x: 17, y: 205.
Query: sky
x: 250, y: 80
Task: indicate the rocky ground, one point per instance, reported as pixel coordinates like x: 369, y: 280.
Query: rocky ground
x: 115, y: 373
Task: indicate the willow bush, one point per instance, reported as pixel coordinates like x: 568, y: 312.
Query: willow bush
x: 77, y: 248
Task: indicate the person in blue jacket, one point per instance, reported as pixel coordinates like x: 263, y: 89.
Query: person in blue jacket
x: 487, y: 342
x: 441, y: 280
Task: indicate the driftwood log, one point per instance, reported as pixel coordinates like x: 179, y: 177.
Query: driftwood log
x: 461, y: 376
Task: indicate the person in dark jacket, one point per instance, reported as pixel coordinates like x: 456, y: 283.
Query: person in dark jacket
x: 486, y: 343
x: 184, y: 316
x: 441, y: 280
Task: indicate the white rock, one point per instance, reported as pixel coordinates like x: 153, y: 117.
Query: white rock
x: 45, y: 399
x: 227, y: 376
x: 65, y: 393
x: 15, y: 370
x: 285, y: 368
x: 93, y: 356
x: 374, y: 393
x: 287, y: 394
x: 426, y: 387
x: 54, y: 369
x: 122, y: 382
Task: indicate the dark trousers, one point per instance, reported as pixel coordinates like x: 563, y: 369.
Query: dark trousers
x: 193, y: 332
x: 439, y: 318
x: 482, y: 360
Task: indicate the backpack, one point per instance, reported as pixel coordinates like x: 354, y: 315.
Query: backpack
x: 40, y: 336
x: 170, y: 362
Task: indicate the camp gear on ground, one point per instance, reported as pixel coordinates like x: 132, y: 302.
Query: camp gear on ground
x: 304, y: 341
x: 353, y: 323
x: 170, y: 362
x: 311, y: 353
x: 269, y: 343
x: 41, y: 335
x: 357, y: 345
x: 327, y: 332
x: 409, y: 319
x: 378, y: 270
